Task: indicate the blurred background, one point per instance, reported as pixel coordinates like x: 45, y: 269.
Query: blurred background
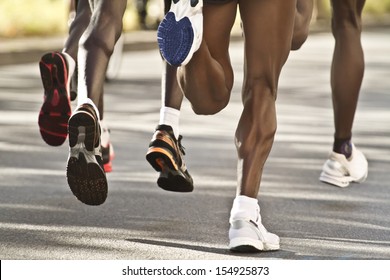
x: 20, y: 18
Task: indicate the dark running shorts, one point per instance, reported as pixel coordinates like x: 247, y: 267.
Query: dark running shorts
x: 167, y: 3
x: 216, y: 1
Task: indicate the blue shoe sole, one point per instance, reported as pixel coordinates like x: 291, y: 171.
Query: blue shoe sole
x: 175, y: 39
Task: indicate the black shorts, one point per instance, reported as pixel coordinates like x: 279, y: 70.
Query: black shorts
x: 167, y: 3
x: 217, y: 1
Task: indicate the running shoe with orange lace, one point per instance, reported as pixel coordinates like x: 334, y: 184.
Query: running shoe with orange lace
x: 85, y: 171
x: 165, y: 154
x: 56, y: 70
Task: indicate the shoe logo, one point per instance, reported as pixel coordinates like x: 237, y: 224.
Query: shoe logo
x: 346, y: 149
x: 254, y: 223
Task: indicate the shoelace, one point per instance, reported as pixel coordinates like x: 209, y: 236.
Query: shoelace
x: 181, y: 147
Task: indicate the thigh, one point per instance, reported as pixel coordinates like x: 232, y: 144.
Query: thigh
x: 107, y: 17
x: 82, y: 6
x: 112, y: 8
x: 218, y: 21
x: 347, y: 10
x: 268, y: 29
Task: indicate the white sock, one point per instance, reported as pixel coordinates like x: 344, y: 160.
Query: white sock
x: 170, y: 116
x: 245, y: 207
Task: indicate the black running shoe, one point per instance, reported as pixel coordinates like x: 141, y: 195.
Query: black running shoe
x: 165, y: 154
x: 85, y: 171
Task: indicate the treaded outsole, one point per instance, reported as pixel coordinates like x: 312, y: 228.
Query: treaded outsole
x: 56, y: 110
x: 242, y: 245
x: 169, y: 179
x: 175, y: 39
x: 87, y: 180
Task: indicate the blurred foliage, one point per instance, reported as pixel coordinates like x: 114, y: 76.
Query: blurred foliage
x: 50, y: 17
x: 32, y: 17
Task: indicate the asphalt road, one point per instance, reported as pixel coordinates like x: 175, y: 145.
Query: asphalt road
x: 41, y: 219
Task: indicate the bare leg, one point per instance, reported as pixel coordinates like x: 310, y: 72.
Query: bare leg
x: 348, y: 63
x: 77, y: 28
x: 257, y: 126
x: 85, y: 168
x: 346, y: 164
x: 165, y: 152
x: 95, y: 48
x: 207, y: 82
x: 268, y: 31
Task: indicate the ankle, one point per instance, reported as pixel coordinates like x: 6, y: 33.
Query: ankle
x: 343, y: 146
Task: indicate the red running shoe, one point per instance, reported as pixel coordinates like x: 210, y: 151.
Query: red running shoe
x: 108, y: 153
x: 56, y: 108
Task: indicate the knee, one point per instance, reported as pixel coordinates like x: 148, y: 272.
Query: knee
x: 299, y: 38
x: 301, y: 32
x: 211, y: 108
x: 346, y: 20
x: 103, y: 33
x: 259, y: 87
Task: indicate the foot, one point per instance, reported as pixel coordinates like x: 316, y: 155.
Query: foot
x: 165, y: 154
x: 340, y: 171
x: 56, y: 108
x: 180, y: 32
x: 85, y: 172
x: 251, y: 236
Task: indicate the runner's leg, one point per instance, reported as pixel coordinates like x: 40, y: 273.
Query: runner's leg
x: 257, y: 126
x: 348, y: 63
x: 95, y: 48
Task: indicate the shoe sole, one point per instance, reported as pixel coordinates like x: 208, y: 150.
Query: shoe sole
x: 341, y: 182
x: 171, y: 178
x: 175, y: 39
x: 338, y: 182
x: 56, y: 108
x: 248, y: 245
x: 86, y: 178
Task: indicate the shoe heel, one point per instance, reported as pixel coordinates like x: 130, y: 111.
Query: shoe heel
x: 159, y: 159
x: 82, y: 130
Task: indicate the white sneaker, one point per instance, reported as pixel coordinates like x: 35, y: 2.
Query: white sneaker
x: 340, y: 171
x: 180, y: 32
x: 251, y: 236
